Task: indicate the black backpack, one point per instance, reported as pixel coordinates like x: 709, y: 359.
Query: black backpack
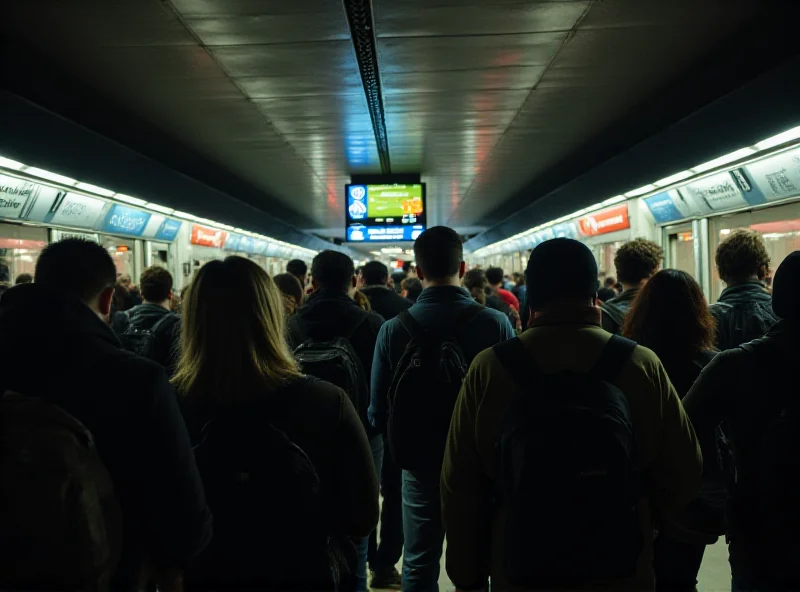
x: 774, y: 488
x: 61, y: 521
x: 423, y: 393
x: 266, y: 498
x: 336, y: 361
x: 567, y: 473
x: 139, y: 341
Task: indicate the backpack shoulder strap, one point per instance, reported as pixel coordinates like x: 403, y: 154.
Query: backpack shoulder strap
x: 614, y: 356
x: 516, y: 361
x: 411, y: 326
x: 468, y: 315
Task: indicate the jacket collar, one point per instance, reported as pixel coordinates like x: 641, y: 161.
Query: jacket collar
x: 589, y: 315
x: 747, y: 291
x: 444, y: 295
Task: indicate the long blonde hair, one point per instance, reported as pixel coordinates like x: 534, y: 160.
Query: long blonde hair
x: 233, y: 343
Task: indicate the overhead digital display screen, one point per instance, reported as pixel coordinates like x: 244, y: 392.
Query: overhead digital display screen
x: 385, y: 213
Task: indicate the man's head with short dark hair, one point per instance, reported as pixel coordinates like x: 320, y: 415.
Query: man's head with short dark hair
x: 439, y: 254
x: 155, y: 284
x: 559, y: 270
x: 375, y: 273
x: 23, y: 278
x: 332, y: 270
x: 637, y: 260
x: 494, y: 275
x: 742, y: 256
x: 298, y: 269
x: 80, y: 269
x: 786, y: 288
x: 407, y: 266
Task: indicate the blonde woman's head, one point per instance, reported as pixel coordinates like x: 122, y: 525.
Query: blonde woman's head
x: 233, y: 336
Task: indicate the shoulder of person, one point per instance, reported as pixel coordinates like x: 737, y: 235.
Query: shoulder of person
x: 375, y: 320
x: 492, y: 313
x: 142, y: 376
x: 315, y: 394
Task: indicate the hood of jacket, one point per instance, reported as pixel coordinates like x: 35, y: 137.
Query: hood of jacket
x: 752, y: 291
x: 329, y: 313
x: 39, y: 329
x: 144, y: 316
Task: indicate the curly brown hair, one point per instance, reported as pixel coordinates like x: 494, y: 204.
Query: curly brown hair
x: 670, y: 316
x: 637, y: 260
x: 742, y: 255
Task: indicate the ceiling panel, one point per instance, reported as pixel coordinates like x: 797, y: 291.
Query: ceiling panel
x: 420, y: 19
x: 272, y: 28
x: 513, y: 78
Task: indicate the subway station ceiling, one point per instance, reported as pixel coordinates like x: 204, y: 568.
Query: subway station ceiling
x: 481, y: 97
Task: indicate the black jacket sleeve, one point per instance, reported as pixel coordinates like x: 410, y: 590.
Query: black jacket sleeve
x: 181, y: 520
x: 164, y: 347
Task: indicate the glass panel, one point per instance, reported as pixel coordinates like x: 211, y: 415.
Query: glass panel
x: 681, y: 251
x: 18, y: 256
x: 121, y: 251
x: 779, y: 226
x: 605, y: 253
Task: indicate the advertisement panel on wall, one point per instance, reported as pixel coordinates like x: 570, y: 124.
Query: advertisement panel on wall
x: 777, y: 177
x: 208, y: 237
x: 18, y: 197
x: 73, y: 209
x: 605, y: 221
x: 389, y: 212
x: 124, y: 220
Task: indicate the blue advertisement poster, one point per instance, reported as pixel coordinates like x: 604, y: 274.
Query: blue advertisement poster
x: 125, y: 220
x: 169, y: 230
x: 663, y: 208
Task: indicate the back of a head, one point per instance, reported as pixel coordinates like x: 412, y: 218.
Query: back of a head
x: 290, y: 286
x: 76, y: 268
x: 413, y: 288
x: 375, y: 273
x: 560, y: 269
x: 297, y: 268
x: 670, y: 316
x: 494, y: 275
x: 439, y: 253
x: 475, y: 281
x: 23, y: 278
x: 407, y: 267
x: 155, y: 284
x: 742, y: 255
x: 233, y: 340
x: 786, y: 288
x: 333, y: 271
x: 637, y: 260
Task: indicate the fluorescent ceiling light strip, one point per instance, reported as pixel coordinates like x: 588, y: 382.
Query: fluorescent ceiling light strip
x: 782, y: 138
x: 613, y: 200
x: 131, y: 200
x: 673, y: 179
x: 51, y: 176
x: 640, y: 191
x: 159, y: 209
x: 722, y: 160
x: 11, y: 164
x: 184, y: 215
x: 94, y: 189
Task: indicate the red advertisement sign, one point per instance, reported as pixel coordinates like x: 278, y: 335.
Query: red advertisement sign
x: 605, y: 221
x: 208, y: 237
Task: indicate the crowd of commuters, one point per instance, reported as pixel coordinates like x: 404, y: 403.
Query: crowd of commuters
x: 260, y: 420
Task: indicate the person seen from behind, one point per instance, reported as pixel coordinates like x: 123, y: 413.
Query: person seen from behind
x: 411, y: 289
x: 670, y: 316
x: 284, y: 457
x: 129, y: 419
x: 384, y: 300
x: 636, y: 262
x: 420, y: 360
x: 475, y: 281
x: 744, y: 309
x: 334, y: 337
x: 752, y: 391
x: 291, y: 291
x: 494, y: 275
x: 562, y: 444
x: 299, y: 269
x: 23, y: 278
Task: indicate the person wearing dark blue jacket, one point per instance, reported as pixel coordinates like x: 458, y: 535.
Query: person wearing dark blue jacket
x: 64, y: 352
x: 440, y: 267
x: 744, y: 309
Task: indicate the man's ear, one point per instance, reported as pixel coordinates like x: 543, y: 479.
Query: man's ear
x: 420, y: 275
x: 104, y: 301
x: 462, y: 269
x: 314, y: 285
x: 354, y: 281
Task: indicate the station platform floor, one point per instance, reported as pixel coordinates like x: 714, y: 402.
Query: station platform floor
x: 715, y: 572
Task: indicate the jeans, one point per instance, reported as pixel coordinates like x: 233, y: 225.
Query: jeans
x: 423, y: 531
x: 362, y: 545
x: 384, y: 556
x: 676, y: 563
